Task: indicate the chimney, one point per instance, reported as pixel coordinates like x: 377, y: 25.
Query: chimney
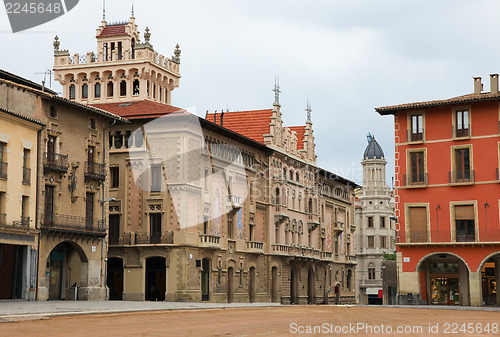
x: 222, y: 118
x: 494, y: 83
x: 478, y: 86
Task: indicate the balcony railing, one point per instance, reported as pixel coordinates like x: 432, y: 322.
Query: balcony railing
x: 55, y: 162
x: 26, y: 176
x: 280, y: 249
x: 410, y: 181
x: 62, y: 223
x: 254, y: 245
x: 326, y: 255
x: 234, y: 201
x: 414, y: 137
x: 3, y: 170
x: 122, y: 239
x: 458, y: 133
x: 209, y: 239
x: 95, y: 171
x: 457, y: 177
x: 25, y: 221
x: 445, y: 236
x: 154, y: 238
x: 351, y: 258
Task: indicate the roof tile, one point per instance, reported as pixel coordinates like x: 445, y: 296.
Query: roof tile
x: 139, y: 109
x: 252, y: 124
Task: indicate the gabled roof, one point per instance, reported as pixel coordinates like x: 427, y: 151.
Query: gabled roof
x: 464, y: 99
x: 301, y: 130
x: 113, y: 30
x: 26, y: 118
x: 252, y: 124
x: 23, y: 81
x: 139, y: 109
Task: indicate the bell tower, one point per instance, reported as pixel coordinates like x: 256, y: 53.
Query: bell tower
x: 124, y: 69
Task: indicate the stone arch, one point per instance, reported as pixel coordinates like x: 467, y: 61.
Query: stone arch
x: 489, y: 276
x: 423, y: 258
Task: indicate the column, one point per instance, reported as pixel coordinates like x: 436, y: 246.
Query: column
x: 474, y: 290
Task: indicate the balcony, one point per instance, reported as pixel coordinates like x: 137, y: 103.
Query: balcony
x: 445, y: 237
x: 461, y: 177
x: 122, y: 239
x: 95, y: 171
x: 415, y: 136
x: 233, y: 202
x: 55, y: 162
x: 280, y: 214
x: 460, y: 132
x: 338, y: 226
x: 312, y: 221
x: 326, y: 256
x: 70, y: 224
x: 209, y: 241
x: 350, y: 258
x: 25, y: 221
x: 255, y: 247
x: 26, y: 176
x: 410, y: 181
x: 154, y: 238
x: 278, y: 249
x: 3, y: 170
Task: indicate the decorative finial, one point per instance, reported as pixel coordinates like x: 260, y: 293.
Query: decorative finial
x: 177, y: 54
x: 147, y: 35
x: 308, y: 110
x: 369, y: 137
x: 56, y: 43
x: 132, y: 8
x: 103, y: 10
x: 276, y: 90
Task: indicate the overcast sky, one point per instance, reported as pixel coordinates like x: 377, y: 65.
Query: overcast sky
x: 348, y: 57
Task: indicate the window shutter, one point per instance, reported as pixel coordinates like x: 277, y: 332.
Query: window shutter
x: 465, y: 212
x: 418, y: 224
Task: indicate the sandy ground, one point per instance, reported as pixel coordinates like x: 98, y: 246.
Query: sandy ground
x: 280, y: 321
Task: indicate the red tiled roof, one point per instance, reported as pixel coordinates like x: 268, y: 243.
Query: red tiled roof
x: 301, y: 130
x: 113, y: 31
x: 252, y: 124
x: 139, y: 109
x: 469, y: 98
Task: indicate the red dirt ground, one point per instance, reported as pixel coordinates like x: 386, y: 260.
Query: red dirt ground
x: 262, y: 322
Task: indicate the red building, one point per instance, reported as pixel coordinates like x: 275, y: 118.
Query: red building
x: 447, y: 198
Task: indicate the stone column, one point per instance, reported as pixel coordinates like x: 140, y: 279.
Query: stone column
x: 474, y: 289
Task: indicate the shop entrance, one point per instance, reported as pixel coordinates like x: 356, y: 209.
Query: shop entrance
x: 115, y: 278
x: 445, y: 291
x: 489, y: 278
x: 155, y: 279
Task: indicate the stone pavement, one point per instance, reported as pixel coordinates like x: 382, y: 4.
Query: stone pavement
x: 11, y: 310
x: 24, y: 310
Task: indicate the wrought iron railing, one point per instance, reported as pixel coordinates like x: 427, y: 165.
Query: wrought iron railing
x: 414, y: 137
x: 55, y: 162
x: 467, y: 176
x: 3, y: 170
x: 121, y: 239
x: 25, y: 221
x: 26, y: 175
x: 71, y: 223
x: 95, y: 170
x: 154, y: 238
x: 420, y: 180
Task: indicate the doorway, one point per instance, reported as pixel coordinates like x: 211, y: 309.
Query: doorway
x: 251, y: 285
x: 310, y: 287
x: 293, y: 287
x: 115, y: 278
x: 489, y: 282
x: 230, y: 284
x: 155, y: 279
x: 205, y: 280
x: 274, y: 284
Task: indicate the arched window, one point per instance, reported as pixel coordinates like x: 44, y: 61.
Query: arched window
x: 123, y: 88
x: 154, y: 90
x: 160, y: 93
x: 97, y: 90
x: 72, y: 91
x: 136, y: 88
x: 310, y: 206
x: 277, y: 196
x: 85, y: 91
x: 133, y: 49
x: 110, y: 89
x: 297, y: 177
x: 166, y: 95
x: 148, y: 88
x: 291, y: 175
x: 284, y: 173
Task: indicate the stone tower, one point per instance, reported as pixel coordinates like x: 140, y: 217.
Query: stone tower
x: 374, y: 214
x: 124, y: 69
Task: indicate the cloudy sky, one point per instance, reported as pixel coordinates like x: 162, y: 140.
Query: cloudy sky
x: 348, y: 57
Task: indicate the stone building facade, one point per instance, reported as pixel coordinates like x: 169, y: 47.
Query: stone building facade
x: 204, y: 209
x: 376, y: 230
x: 19, y: 139
x: 70, y: 179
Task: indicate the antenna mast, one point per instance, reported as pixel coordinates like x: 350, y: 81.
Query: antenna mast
x: 103, y: 10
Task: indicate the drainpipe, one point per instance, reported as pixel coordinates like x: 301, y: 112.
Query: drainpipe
x: 103, y: 195
x: 38, y: 164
